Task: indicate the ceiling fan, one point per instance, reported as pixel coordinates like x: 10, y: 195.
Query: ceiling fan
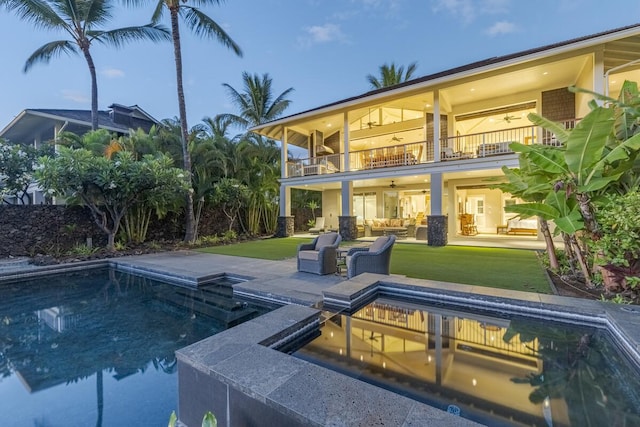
x: 508, y: 118
x: 371, y: 124
x: 394, y: 185
x: 396, y: 139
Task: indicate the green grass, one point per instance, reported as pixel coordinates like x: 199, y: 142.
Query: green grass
x: 514, y: 269
x: 272, y: 249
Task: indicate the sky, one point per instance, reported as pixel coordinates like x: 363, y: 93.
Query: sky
x: 323, y: 49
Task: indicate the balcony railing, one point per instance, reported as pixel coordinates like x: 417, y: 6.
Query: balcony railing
x: 396, y: 155
x: 459, y: 147
x: 314, y: 166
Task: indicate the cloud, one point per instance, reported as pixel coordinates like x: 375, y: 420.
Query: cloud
x: 318, y: 34
x: 501, y: 27
x: 74, y: 96
x: 112, y: 73
x: 469, y: 10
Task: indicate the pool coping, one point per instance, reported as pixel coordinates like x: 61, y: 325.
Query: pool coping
x: 297, y: 389
x: 286, y: 384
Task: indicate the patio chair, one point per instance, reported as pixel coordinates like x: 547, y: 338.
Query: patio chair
x: 319, y: 227
x: 319, y: 256
x: 374, y: 259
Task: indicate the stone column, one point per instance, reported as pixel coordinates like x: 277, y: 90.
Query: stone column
x: 285, y: 226
x: 347, y: 227
x: 437, y: 230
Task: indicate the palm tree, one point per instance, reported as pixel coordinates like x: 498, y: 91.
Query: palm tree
x: 203, y: 26
x: 79, y: 19
x: 390, y: 75
x: 258, y: 159
x: 255, y: 104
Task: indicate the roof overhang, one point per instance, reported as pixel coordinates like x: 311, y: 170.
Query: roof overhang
x: 274, y: 129
x: 29, y: 123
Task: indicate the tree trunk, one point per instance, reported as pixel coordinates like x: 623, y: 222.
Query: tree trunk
x: 582, y: 262
x: 190, y: 232
x: 84, y: 45
x: 590, y: 223
x: 551, y: 249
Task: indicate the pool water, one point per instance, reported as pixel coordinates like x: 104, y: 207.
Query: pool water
x: 494, y: 369
x: 97, y: 348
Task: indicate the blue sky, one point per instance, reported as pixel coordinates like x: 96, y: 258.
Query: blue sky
x: 322, y: 48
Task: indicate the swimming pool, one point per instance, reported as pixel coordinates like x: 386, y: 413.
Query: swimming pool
x: 492, y: 368
x: 97, y: 347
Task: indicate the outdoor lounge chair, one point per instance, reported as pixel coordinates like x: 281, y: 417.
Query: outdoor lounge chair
x: 318, y: 227
x: 374, y: 259
x: 320, y: 255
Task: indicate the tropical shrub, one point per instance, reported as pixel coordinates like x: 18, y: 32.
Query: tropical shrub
x: 109, y: 187
x: 618, y: 248
x: 17, y: 163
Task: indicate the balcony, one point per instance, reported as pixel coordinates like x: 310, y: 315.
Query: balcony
x: 460, y: 147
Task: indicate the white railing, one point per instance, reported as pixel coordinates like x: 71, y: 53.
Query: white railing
x: 459, y: 147
x: 319, y: 165
x: 390, y: 156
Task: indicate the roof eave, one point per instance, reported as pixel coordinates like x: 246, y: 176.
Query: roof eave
x: 395, y: 91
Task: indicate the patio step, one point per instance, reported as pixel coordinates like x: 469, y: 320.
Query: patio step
x: 13, y: 264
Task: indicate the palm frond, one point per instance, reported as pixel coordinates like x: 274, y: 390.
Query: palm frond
x: 120, y: 36
x: 157, y: 11
x: 50, y: 50
x: 94, y: 13
x: 203, y: 26
x: 36, y: 12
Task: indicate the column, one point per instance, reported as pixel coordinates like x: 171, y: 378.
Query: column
x: 346, y: 164
x: 346, y: 221
x: 436, y: 221
x: 598, y: 74
x: 285, y: 227
x: 436, y: 127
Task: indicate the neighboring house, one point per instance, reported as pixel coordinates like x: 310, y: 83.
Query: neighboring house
x: 425, y: 148
x: 39, y: 125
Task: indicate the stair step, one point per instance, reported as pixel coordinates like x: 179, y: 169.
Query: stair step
x: 11, y: 264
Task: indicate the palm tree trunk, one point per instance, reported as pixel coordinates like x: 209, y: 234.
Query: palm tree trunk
x: 84, y: 45
x: 190, y: 231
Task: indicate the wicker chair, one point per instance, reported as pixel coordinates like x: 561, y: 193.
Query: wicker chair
x: 320, y: 255
x: 374, y: 259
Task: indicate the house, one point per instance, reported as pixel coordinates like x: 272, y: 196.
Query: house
x: 427, y: 147
x: 38, y: 126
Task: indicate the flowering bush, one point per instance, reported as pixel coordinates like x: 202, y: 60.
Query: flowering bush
x: 17, y: 165
x: 110, y: 187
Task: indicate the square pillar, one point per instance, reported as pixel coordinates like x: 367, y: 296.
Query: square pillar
x: 285, y: 226
x: 437, y: 230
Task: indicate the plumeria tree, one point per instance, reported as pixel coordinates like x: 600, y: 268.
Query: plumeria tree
x: 109, y: 187
x: 16, y: 171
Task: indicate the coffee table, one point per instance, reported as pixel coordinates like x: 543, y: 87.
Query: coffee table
x: 400, y: 232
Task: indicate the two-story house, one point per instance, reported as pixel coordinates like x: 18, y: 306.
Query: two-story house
x: 425, y: 148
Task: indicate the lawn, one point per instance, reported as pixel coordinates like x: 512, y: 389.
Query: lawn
x: 514, y: 269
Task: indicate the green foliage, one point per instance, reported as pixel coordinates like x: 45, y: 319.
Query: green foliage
x: 109, y: 187
x: 619, y: 245
x: 390, y: 75
x: 617, y: 299
x: 82, y: 250
x: 210, y: 240
x: 229, y: 236
x: 209, y: 420
x: 231, y: 196
x: 17, y: 164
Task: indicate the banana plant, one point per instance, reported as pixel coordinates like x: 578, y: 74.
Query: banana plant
x: 598, y: 153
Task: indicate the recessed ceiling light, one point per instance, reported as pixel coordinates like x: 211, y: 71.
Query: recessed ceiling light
x: 473, y: 90
x: 427, y: 105
x: 545, y: 73
x: 613, y: 81
x: 328, y: 125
